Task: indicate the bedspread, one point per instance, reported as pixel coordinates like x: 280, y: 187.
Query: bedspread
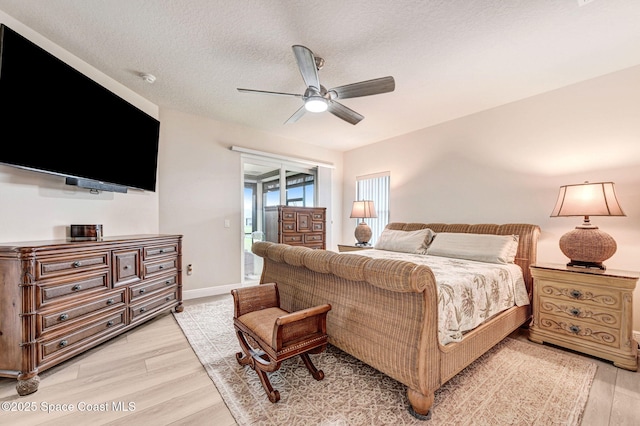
x: 469, y: 292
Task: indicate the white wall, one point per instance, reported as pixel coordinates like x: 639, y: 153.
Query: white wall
x: 507, y: 164
x: 201, y: 188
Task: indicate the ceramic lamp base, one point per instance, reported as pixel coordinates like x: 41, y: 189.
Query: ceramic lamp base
x: 587, y: 247
x: 362, y: 233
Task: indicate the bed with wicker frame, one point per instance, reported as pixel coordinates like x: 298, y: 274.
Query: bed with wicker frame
x: 385, y: 312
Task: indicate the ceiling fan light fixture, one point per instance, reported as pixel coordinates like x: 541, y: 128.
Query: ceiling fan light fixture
x: 316, y: 104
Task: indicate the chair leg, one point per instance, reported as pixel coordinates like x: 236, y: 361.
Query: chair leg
x: 317, y: 374
x: 260, y: 363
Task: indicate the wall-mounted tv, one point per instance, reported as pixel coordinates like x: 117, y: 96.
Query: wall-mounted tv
x: 54, y: 119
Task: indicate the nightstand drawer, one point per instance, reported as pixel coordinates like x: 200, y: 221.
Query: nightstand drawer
x: 580, y: 330
x: 583, y: 294
x: 580, y: 311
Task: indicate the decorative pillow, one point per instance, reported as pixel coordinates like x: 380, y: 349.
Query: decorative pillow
x: 481, y: 247
x: 405, y: 241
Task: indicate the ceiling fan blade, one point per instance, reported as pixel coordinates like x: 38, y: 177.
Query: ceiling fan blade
x: 345, y: 113
x: 307, y: 64
x: 265, y: 92
x: 296, y: 115
x: 364, y: 88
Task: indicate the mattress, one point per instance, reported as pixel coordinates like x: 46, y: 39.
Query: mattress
x: 469, y: 292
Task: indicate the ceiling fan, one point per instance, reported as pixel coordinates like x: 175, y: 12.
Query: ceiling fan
x: 318, y: 99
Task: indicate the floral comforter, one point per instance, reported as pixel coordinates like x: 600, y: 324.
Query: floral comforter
x: 469, y: 292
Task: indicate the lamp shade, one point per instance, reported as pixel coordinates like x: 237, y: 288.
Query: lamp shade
x: 363, y: 209
x: 587, y: 199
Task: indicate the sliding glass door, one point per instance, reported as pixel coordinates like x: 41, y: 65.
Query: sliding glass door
x: 263, y: 183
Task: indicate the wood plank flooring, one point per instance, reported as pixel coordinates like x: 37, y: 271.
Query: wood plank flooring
x: 150, y: 375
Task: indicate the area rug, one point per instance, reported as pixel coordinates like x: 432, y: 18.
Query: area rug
x: 515, y: 383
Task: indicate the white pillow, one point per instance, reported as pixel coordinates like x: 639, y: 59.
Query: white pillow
x: 405, y: 241
x: 481, y: 247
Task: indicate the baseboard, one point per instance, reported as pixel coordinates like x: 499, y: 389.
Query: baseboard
x: 209, y: 291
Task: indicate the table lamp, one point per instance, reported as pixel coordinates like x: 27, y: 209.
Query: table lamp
x: 586, y: 245
x: 362, y: 210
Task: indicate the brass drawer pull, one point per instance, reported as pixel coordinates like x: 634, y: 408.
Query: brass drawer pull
x: 574, y: 329
x: 76, y: 287
x: 168, y: 282
x: 125, y: 267
x: 76, y: 264
x: 142, y: 310
x: 576, y: 294
x: 64, y: 317
x: 109, y: 323
x: 161, y: 267
x: 161, y: 251
x: 110, y: 302
x: 63, y: 343
x: 575, y: 312
x: 142, y: 290
x: 167, y: 298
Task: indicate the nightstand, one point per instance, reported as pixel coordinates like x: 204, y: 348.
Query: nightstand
x: 589, y: 311
x: 352, y: 247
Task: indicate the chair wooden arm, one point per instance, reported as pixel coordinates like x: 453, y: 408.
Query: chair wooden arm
x: 298, y: 327
x: 255, y: 298
x: 298, y: 315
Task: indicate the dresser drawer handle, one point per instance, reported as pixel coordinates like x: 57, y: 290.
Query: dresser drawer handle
x: 168, y: 282
x: 575, y: 312
x: 110, y: 323
x: 167, y: 298
x: 576, y: 294
x: 142, y: 310
x: 110, y: 302
x: 125, y: 267
x: 63, y: 343
x: 161, y: 251
x: 76, y: 264
x: 161, y: 267
x: 142, y: 290
x: 76, y: 287
x: 574, y: 329
x: 64, y: 317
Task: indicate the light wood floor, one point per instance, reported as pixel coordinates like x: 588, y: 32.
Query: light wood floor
x: 153, y: 368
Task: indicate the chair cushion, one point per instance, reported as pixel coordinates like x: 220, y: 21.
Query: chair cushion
x: 261, y: 322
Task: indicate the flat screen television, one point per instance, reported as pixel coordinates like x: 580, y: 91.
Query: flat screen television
x: 56, y: 120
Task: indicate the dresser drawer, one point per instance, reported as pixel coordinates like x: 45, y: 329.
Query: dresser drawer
x: 73, y: 313
x: 313, y: 238
x: 160, y: 267
x: 289, y: 227
x: 154, y: 252
x: 76, y: 339
x: 574, y: 310
x: 288, y: 215
x: 148, y: 288
x: 59, y: 266
x: 150, y: 306
x: 63, y: 289
x: 293, y: 239
x: 318, y: 216
x: 126, y: 267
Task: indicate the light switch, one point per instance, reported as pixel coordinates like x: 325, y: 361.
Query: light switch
x: 227, y: 223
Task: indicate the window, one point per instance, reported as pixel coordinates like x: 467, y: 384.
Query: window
x: 375, y: 187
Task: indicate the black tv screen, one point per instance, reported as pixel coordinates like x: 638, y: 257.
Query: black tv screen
x: 55, y: 119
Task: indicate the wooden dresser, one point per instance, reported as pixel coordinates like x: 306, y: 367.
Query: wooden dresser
x: 298, y: 226
x: 60, y: 298
x: 589, y: 311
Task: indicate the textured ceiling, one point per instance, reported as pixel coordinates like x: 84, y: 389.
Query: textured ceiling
x: 449, y: 58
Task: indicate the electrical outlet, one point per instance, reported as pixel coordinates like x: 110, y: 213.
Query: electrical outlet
x: 189, y: 269
x: 227, y: 223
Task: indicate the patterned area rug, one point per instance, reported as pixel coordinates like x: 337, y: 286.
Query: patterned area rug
x: 515, y: 383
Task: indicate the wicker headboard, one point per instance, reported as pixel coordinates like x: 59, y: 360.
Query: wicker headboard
x: 527, y: 243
